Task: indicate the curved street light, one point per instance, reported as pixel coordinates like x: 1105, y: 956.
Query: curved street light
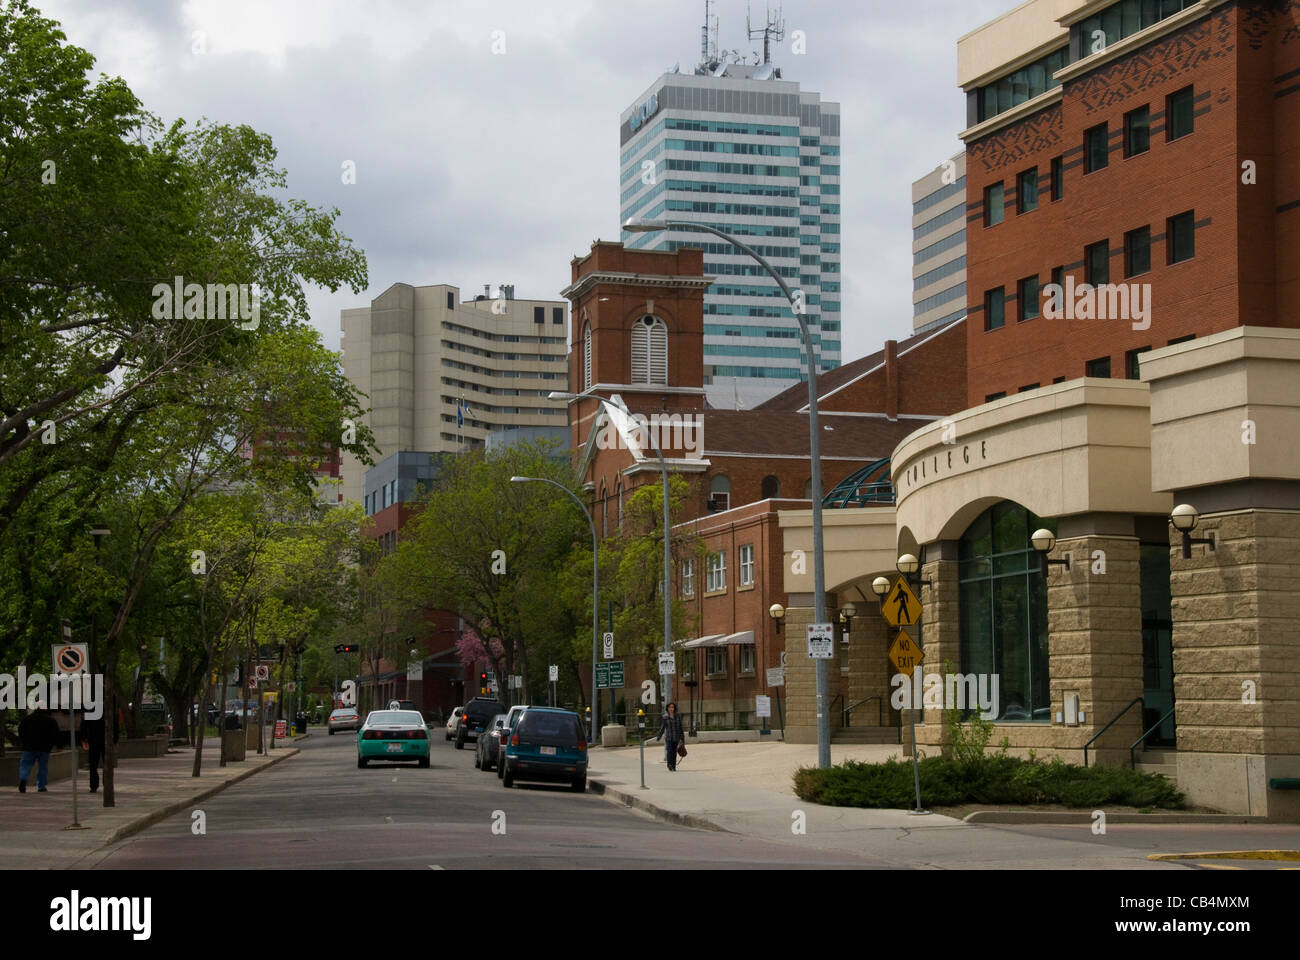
x: 595, y: 581
x: 640, y: 225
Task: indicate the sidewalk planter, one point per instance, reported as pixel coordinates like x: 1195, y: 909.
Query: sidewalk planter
x: 134, y: 748
x: 613, y: 735
x: 58, y: 766
x: 234, y: 745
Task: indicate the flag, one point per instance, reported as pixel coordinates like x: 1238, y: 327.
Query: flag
x: 468, y: 411
x: 460, y: 417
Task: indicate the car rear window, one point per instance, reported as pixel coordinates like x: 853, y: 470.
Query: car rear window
x: 393, y: 716
x: 551, y: 728
x: 343, y: 712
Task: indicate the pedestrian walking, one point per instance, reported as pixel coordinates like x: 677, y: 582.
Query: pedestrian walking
x: 670, y: 731
x: 38, y: 732
x: 92, y: 741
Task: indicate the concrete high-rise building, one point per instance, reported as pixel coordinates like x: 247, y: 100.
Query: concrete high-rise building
x: 739, y: 148
x: 939, y: 246
x: 441, y: 373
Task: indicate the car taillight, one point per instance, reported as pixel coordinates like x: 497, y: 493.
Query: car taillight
x: 582, y: 746
x: 370, y: 735
x: 464, y: 718
x: 419, y: 735
x: 514, y: 741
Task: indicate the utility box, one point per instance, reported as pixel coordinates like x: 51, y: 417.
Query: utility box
x: 613, y: 735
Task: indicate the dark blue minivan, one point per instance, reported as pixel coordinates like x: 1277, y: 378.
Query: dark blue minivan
x: 546, y: 744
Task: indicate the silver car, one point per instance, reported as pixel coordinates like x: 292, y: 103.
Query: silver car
x: 454, y: 721
x: 344, y: 718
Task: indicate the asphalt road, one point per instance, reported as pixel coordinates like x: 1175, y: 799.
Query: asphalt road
x: 318, y: 810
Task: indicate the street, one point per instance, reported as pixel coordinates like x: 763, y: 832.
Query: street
x: 319, y: 810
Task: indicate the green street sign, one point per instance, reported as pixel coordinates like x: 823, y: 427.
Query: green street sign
x: 609, y: 676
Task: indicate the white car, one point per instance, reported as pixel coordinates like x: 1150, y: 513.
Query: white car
x: 454, y: 721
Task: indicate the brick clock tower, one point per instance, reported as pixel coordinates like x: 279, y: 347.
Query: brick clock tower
x: 638, y: 331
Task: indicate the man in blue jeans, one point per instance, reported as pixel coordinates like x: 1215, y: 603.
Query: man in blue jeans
x: 37, y: 732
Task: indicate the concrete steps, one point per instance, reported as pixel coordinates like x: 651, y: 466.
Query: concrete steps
x: 1162, y: 761
x: 865, y: 735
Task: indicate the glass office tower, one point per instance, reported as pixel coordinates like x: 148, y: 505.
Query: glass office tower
x: 737, y: 147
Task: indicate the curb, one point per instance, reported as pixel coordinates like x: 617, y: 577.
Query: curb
x: 144, y: 821
x: 1230, y: 855
x: 303, y: 737
x: 1055, y: 817
x: 659, y: 813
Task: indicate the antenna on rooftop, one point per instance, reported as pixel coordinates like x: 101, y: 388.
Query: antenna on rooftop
x: 773, y: 29
x: 708, y: 47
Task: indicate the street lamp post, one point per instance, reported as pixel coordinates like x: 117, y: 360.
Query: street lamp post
x: 638, y: 225
x: 668, y: 565
x: 595, y: 584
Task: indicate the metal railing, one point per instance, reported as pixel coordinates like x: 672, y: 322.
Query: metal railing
x: 880, y: 710
x: 1135, y: 700
x: 1132, y: 761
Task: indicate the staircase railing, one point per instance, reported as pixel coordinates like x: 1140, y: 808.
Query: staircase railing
x: 880, y: 710
x: 1132, y: 761
x: 1135, y: 700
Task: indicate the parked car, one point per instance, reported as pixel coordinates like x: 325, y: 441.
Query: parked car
x: 512, y: 720
x: 546, y: 744
x: 345, y: 718
x: 454, y: 721
x: 475, y: 717
x: 393, y: 735
x: 488, y: 747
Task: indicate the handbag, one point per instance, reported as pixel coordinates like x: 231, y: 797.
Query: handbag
x: 681, y: 749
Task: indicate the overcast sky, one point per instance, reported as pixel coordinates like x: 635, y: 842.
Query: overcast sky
x: 477, y: 167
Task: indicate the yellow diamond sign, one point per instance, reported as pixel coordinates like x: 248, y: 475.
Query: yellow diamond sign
x: 905, y: 654
x: 901, y: 608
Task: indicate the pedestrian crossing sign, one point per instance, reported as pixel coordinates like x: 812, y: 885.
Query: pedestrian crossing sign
x: 901, y: 608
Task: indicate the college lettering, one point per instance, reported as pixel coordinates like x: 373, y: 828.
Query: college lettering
x: 919, y: 471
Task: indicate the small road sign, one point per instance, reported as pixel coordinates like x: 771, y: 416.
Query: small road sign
x: 905, y: 654
x: 763, y: 706
x: 291, y: 686
x: 609, y: 676
x: 608, y: 640
x: 783, y: 656
x: 263, y: 672
x: 900, y: 607
x: 415, y: 670
x: 69, y: 658
x: 776, y: 676
x: 252, y: 683
x: 821, y: 641
x: 553, y: 671
x: 667, y: 664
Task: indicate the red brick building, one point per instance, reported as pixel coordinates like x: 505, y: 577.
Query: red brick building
x: 1167, y: 160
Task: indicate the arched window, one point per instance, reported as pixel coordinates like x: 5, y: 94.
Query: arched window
x: 720, y: 493
x: 807, y: 489
x: 649, y: 351
x: 1004, y: 610
x: 618, y: 492
x: 771, y: 488
x: 586, y: 357
x: 604, y: 510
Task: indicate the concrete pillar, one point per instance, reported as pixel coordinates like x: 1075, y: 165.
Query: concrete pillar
x: 940, y: 633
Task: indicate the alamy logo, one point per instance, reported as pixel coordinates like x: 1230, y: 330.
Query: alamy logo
x: 669, y: 431
x: 1106, y: 301
x: 60, y: 692
x: 213, y: 301
x: 76, y: 913
x: 955, y: 691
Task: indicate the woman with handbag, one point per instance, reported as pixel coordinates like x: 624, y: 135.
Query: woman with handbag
x: 670, y: 731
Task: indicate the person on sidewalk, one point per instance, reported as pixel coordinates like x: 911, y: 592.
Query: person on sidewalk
x: 38, y: 732
x: 92, y: 741
x: 670, y: 731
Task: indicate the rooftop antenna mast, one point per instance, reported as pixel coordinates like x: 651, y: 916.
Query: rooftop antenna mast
x: 773, y: 29
x: 708, y: 45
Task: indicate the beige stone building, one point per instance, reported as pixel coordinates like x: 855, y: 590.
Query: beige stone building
x: 427, y: 360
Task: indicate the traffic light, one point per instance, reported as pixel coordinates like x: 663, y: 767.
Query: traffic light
x: 482, y: 683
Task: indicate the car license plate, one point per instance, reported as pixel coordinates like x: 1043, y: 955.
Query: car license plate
x: 548, y: 751
x: 394, y: 748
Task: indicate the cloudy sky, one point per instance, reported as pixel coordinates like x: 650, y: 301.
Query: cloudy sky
x: 475, y: 167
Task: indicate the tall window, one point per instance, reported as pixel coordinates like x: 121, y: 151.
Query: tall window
x: 771, y: 488
x: 586, y: 357
x: 1027, y: 191
x: 995, y: 308
x: 746, y: 658
x: 1058, y: 178
x: 1095, y: 148
x: 994, y: 205
x: 557, y: 316
x: 1179, y: 121
x: 1181, y: 237
x: 604, y: 510
x: 539, y: 314
x: 715, y: 661
x: 649, y: 351
x: 1133, y: 362
x: 1027, y: 299
x: 1096, y: 258
x: 618, y: 493
x: 1137, y: 131
x: 688, y: 578
x: 715, y: 572
x: 720, y: 493
x: 1003, y: 610
x: 747, y: 565
x: 1137, y: 250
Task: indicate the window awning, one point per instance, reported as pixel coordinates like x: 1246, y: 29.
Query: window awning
x: 731, y: 639
x: 702, y: 641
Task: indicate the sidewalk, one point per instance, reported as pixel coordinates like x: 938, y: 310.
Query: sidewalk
x: 32, y: 834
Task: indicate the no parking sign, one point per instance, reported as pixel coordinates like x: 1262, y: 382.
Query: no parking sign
x: 70, y: 658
